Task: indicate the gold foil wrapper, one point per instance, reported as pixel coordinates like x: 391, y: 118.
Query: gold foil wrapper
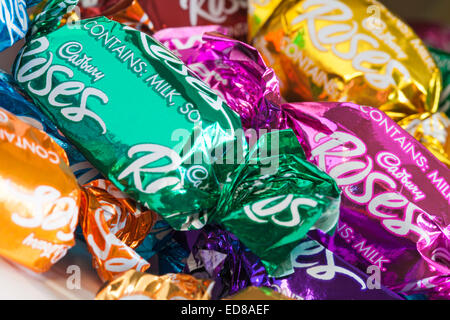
x: 433, y: 131
x: 39, y: 196
x: 113, y: 225
x: 134, y: 285
x: 258, y: 293
x: 346, y: 50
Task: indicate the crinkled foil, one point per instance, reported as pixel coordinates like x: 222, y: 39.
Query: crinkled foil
x: 134, y: 285
x: 113, y: 225
x: 347, y: 50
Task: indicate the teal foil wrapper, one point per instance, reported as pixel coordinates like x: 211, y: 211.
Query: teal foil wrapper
x: 160, y: 134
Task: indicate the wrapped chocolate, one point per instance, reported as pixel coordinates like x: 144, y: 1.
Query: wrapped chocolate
x: 395, y: 201
x: 217, y: 59
x: 41, y: 203
x: 135, y: 285
x: 233, y: 69
x: 39, y: 196
x: 317, y: 273
x: 14, y: 21
x: 347, y: 50
x: 13, y: 99
x: 161, y: 242
x: 192, y: 166
x: 231, y: 14
x: 113, y: 225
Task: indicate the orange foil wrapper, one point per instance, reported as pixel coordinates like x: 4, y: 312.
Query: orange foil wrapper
x: 113, y: 225
x: 134, y: 285
x: 39, y: 196
x: 345, y: 50
x: 128, y: 12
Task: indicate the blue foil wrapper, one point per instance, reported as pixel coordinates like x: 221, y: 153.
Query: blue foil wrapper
x: 161, y: 242
x: 16, y: 102
x: 14, y: 21
x: 318, y: 274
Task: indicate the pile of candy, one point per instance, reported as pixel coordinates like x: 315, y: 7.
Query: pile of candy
x: 295, y: 149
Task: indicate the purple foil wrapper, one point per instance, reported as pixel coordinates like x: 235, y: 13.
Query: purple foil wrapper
x: 395, y: 205
x: 235, y: 70
x: 318, y: 274
x: 395, y: 200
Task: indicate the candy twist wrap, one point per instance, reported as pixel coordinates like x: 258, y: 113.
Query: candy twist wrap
x: 396, y: 194
x: 39, y: 196
x: 160, y: 242
x: 14, y: 21
x: 113, y: 225
x: 161, y: 135
x: 317, y: 273
x: 233, y: 69
x: 42, y: 202
x: 411, y: 267
x: 13, y: 99
x: 135, y: 285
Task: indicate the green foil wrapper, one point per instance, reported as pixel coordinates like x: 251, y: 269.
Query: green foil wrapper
x: 442, y: 59
x: 160, y: 134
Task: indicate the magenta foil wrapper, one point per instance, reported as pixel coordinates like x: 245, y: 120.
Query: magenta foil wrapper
x: 395, y: 204
x: 234, y: 69
x: 318, y: 274
x: 395, y: 200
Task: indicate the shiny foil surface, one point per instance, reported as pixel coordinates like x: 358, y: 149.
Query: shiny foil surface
x: 215, y: 57
x: 39, y: 196
x: 395, y: 201
x: 237, y: 72
x: 128, y: 12
x: 134, y: 285
x: 442, y: 59
x: 347, y: 50
x: 316, y: 274
x: 192, y: 165
x: 14, y: 21
x: 13, y: 99
x: 113, y: 226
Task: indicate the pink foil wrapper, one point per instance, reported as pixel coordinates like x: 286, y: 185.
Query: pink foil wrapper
x: 395, y: 206
x: 235, y: 70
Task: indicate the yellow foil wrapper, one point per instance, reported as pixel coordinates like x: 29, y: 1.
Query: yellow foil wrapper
x: 113, y: 225
x: 345, y: 50
x: 257, y: 293
x: 136, y: 285
x: 39, y: 196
